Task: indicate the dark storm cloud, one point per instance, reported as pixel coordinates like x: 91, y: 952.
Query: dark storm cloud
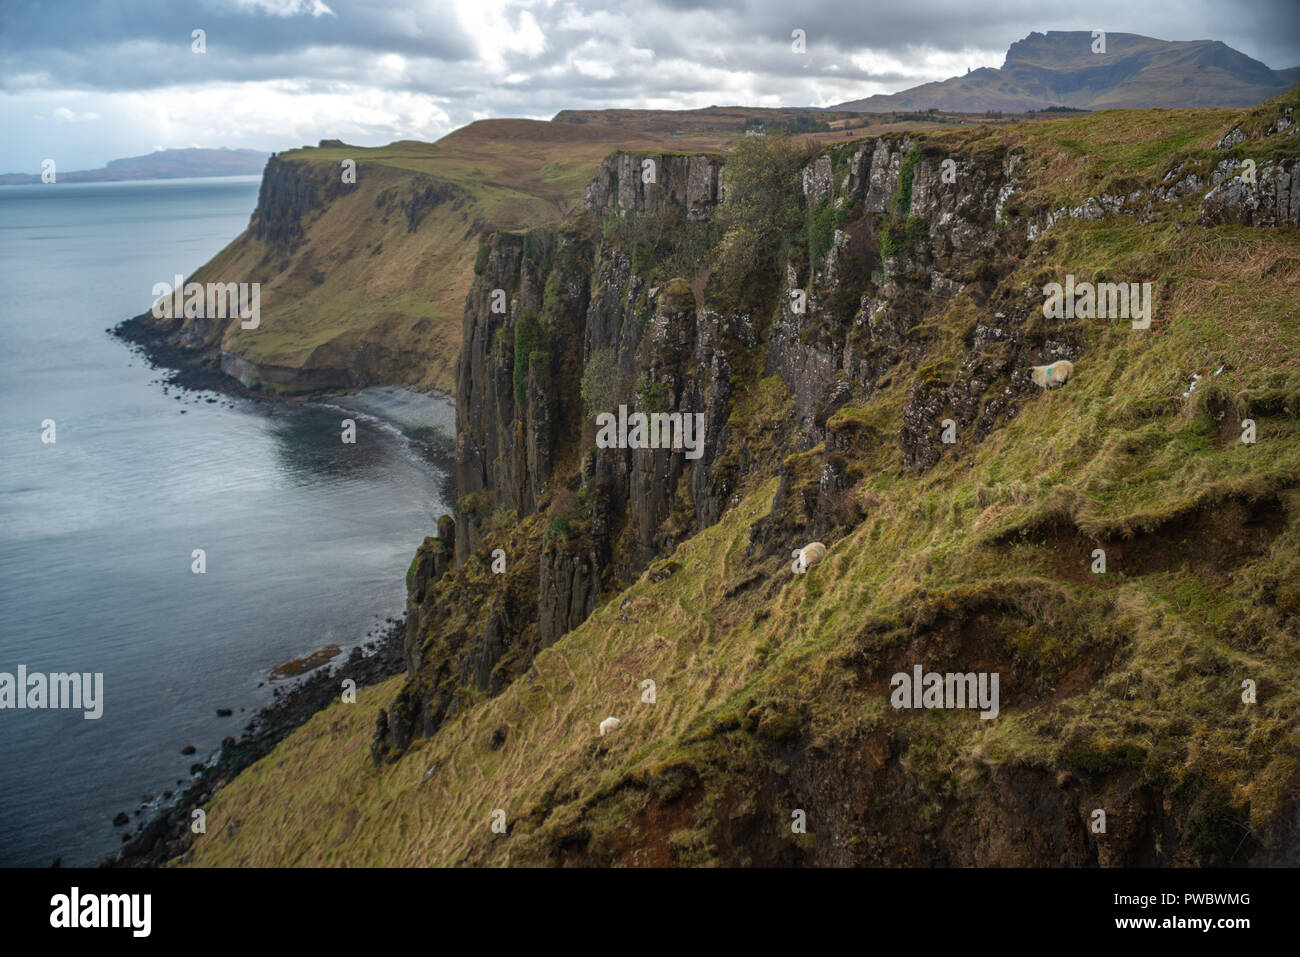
x: 93, y: 80
x: 1268, y: 30
x: 145, y: 44
x: 78, y: 26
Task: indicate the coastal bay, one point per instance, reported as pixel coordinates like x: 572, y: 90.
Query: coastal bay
x: 305, y: 539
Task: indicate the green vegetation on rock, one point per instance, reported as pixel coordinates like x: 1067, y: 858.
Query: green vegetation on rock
x: 1121, y: 689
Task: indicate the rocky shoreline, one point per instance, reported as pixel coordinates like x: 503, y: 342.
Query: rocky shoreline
x: 167, y: 835
x: 189, y: 368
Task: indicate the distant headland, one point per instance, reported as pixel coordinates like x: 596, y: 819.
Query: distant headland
x: 163, y: 164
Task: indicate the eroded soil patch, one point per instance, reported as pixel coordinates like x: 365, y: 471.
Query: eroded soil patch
x: 1210, y: 542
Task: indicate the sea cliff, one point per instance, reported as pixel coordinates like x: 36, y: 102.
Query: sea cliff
x: 857, y: 327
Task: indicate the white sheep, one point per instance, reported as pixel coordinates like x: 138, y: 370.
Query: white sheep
x: 609, y: 724
x: 808, y: 556
x: 1050, y: 376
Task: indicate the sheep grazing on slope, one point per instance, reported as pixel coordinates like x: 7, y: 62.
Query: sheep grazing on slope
x: 1050, y: 376
x: 609, y: 724
x: 811, y: 554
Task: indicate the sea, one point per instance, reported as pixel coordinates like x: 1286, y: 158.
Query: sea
x: 304, y: 540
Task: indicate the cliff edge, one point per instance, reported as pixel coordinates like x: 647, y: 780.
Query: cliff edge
x: 855, y: 330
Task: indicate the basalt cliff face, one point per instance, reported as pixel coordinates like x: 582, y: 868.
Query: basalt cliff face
x: 526, y: 444
x: 1121, y: 552
x: 575, y: 300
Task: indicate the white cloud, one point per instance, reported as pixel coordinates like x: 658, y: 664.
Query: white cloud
x: 597, y: 69
x: 286, y: 8
x: 924, y: 65
x: 502, y: 33
x: 65, y: 115
x: 29, y: 81
x: 97, y: 81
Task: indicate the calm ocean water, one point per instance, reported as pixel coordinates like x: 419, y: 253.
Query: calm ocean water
x: 307, y: 539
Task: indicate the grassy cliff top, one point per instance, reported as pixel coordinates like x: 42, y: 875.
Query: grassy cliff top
x: 1114, y: 682
x: 364, y: 290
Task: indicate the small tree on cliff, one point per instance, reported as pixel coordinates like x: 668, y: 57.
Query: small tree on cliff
x: 603, y: 384
x: 761, y: 210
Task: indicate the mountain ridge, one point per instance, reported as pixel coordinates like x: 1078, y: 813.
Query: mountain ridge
x: 1059, y: 68
x: 190, y: 162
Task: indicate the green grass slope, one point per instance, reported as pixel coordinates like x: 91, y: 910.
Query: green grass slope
x: 1121, y: 691
x: 362, y: 290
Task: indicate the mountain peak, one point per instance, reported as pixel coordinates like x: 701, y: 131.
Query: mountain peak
x: 1061, y: 68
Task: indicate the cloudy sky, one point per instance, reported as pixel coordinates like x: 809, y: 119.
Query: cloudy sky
x: 86, y: 82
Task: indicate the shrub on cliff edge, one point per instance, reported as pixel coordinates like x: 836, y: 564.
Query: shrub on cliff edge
x: 762, y: 188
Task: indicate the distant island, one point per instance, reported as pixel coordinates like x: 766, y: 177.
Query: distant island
x: 164, y: 164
